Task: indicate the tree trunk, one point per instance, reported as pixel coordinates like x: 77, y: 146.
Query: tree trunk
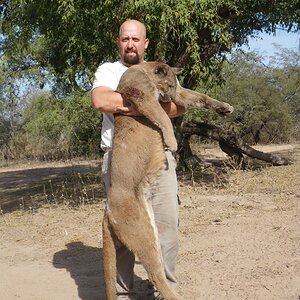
x: 230, y: 143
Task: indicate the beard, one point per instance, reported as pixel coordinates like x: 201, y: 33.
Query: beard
x: 131, y: 60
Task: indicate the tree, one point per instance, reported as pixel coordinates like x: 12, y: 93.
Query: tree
x: 262, y: 114
x: 17, y: 81
x: 11, y: 102
x: 286, y: 80
x: 64, y: 41
x: 67, y: 39
x: 55, y: 128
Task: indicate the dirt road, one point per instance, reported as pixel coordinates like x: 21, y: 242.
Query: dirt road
x: 239, y: 237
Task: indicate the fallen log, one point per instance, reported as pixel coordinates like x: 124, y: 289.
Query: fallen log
x: 231, y: 143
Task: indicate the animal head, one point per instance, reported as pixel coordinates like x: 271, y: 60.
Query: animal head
x: 164, y: 78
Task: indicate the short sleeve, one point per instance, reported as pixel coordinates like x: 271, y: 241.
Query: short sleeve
x: 105, y: 76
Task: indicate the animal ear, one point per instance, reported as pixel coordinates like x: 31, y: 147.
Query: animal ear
x: 177, y: 71
x: 161, y: 69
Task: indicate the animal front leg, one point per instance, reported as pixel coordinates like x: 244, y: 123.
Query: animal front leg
x: 156, y: 114
x: 149, y: 106
x: 109, y: 260
x: 189, y: 98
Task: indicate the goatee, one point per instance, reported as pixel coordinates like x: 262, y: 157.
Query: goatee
x: 131, y: 60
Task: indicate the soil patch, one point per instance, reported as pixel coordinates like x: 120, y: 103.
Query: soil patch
x: 239, y: 239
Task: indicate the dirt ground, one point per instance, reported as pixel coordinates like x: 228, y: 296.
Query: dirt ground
x: 239, y: 234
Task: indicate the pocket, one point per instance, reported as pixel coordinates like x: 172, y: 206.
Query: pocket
x: 106, y: 162
x: 171, y: 160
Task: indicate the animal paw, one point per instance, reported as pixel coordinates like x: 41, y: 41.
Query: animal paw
x: 171, y: 144
x: 224, y: 110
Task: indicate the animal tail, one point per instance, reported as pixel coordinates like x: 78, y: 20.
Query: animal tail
x: 109, y: 260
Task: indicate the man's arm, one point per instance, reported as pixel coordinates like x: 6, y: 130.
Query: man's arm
x: 104, y: 99
x: 172, y: 109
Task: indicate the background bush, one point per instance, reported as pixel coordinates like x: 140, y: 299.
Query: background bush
x: 54, y: 128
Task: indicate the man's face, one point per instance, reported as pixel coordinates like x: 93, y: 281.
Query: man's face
x: 132, y: 43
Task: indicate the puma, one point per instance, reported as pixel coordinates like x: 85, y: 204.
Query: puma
x: 138, y: 158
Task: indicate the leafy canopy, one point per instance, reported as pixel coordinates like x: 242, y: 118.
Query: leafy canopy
x: 64, y: 40
x: 266, y: 98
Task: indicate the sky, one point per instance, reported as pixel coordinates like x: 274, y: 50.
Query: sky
x: 265, y: 43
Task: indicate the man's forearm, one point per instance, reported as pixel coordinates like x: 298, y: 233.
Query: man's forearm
x: 106, y: 100
x: 172, y: 109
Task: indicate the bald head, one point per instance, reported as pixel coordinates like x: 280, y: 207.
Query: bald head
x: 132, y: 42
x: 137, y: 25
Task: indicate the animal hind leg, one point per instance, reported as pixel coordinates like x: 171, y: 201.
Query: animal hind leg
x: 138, y: 234
x: 109, y: 260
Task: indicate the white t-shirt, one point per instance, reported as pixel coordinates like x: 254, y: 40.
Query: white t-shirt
x: 108, y: 74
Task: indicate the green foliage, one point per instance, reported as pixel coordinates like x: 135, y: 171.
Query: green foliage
x: 57, y: 128
x: 65, y: 40
x: 4, y: 131
x: 62, y: 42
x: 10, y: 101
x: 259, y: 95
x: 83, y: 125
x: 286, y: 74
x: 43, y: 117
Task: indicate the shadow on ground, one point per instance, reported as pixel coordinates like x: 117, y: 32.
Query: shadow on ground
x: 85, y: 265
x: 82, y: 183
x: 30, y: 188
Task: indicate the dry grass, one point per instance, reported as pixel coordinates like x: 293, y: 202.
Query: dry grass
x: 239, y: 232
x: 273, y: 180
x: 224, y: 175
x: 80, y: 183
x: 69, y: 184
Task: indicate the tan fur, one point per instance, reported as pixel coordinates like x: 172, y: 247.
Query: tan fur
x: 138, y: 158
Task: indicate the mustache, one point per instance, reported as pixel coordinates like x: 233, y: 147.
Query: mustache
x: 130, y: 51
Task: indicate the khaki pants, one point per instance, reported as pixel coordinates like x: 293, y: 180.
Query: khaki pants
x: 164, y: 205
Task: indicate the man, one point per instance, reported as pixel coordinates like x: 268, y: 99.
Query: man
x: 132, y: 43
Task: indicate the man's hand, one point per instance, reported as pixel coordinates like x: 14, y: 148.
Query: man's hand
x: 128, y: 110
